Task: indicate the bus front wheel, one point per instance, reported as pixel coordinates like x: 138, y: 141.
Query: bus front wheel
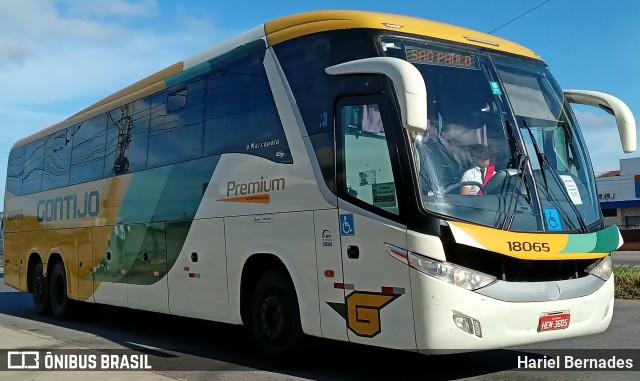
x: 40, y: 291
x: 60, y: 303
x: 275, y: 315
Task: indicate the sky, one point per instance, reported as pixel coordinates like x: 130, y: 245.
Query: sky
x: 60, y: 56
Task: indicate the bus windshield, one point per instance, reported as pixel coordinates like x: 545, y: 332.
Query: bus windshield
x: 503, y: 148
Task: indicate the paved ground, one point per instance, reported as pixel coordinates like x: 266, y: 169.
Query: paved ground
x: 16, y: 338
x: 222, y: 352
x: 627, y: 258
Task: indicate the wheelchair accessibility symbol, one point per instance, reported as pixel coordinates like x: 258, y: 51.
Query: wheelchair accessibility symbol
x: 347, y: 226
x: 553, y: 219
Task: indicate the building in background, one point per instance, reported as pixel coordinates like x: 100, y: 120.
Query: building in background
x: 619, y: 194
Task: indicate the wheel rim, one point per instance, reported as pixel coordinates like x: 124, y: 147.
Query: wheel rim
x: 38, y: 288
x: 272, y: 318
x: 57, y: 290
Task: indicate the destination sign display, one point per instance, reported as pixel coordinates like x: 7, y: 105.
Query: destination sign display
x: 441, y: 57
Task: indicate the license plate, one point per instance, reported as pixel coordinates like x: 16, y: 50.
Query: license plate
x: 552, y: 321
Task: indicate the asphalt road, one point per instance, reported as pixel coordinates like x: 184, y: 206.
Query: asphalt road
x: 189, y: 349
x: 626, y: 258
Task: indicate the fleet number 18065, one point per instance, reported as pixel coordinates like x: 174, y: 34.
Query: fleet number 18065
x: 528, y: 246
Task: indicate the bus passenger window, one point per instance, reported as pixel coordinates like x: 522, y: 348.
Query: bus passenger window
x: 57, y: 159
x: 128, y: 138
x: 15, y: 170
x: 175, y: 130
x: 241, y: 114
x: 87, y: 157
x: 368, y: 175
x: 33, y: 164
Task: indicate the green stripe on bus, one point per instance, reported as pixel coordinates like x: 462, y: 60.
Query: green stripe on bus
x: 140, y: 252
x: 580, y: 243
x: 604, y: 241
x: 144, y: 193
x: 186, y: 75
x: 608, y: 240
x: 221, y: 60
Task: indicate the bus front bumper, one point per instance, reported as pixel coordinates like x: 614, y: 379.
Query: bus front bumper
x: 499, y: 324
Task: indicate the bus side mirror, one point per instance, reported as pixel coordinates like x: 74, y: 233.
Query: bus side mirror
x: 407, y: 80
x: 614, y: 106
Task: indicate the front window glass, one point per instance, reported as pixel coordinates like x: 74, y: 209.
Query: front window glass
x: 561, y: 166
x: 478, y: 160
x: 469, y: 149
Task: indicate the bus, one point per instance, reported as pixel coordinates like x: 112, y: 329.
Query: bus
x: 306, y: 178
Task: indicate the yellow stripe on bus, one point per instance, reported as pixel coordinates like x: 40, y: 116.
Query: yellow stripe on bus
x: 531, y: 246
x: 287, y: 28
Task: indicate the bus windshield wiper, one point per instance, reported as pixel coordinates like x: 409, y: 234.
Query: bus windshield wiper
x: 541, y: 156
x: 544, y: 160
x: 523, y: 159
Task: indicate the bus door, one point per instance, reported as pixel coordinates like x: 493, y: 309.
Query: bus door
x: 330, y: 277
x: 377, y: 307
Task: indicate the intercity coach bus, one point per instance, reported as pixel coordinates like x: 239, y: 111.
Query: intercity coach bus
x: 306, y: 178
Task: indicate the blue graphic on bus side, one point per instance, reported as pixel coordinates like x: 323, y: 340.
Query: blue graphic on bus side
x: 552, y: 217
x: 347, y: 226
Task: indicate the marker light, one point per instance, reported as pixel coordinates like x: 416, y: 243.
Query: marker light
x: 602, y: 269
x: 450, y: 273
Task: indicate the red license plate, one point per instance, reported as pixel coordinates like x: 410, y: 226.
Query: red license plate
x: 552, y: 321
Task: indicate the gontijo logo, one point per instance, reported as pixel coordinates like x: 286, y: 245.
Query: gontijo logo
x: 253, y: 192
x: 69, y: 207
x: 361, y: 309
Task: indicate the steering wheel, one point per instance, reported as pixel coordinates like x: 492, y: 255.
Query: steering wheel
x: 459, y: 185
x: 504, y: 181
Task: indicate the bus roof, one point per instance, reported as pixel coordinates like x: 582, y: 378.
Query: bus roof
x: 284, y: 29
x: 293, y: 26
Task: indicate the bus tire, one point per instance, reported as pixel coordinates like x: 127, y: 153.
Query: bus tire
x: 40, y: 291
x: 61, y: 305
x: 275, y: 316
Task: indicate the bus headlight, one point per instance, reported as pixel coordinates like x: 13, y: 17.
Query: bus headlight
x: 450, y: 273
x: 602, y: 269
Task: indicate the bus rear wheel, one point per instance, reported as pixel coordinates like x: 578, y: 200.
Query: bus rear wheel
x: 40, y: 291
x: 275, y: 316
x: 61, y: 305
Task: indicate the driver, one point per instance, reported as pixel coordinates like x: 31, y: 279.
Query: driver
x: 480, y: 173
